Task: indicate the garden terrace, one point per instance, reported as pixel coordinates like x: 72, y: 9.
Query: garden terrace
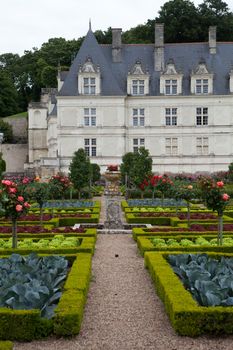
x: 185, y: 244
x: 186, y: 316
x: 26, y: 325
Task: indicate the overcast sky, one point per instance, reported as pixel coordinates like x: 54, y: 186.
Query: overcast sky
x: 25, y: 24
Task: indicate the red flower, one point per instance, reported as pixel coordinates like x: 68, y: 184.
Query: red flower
x: 6, y: 182
x: 20, y: 198
x: 12, y: 190
x: 27, y: 205
x: 220, y: 184
x: 19, y: 207
x: 225, y: 197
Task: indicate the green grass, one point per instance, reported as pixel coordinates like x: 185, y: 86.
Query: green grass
x: 19, y: 115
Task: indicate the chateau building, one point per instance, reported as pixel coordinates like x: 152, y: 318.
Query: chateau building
x: 176, y: 100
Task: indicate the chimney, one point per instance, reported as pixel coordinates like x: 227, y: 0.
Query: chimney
x: 116, y: 45
x: 212, y: 39
x: 159, y: 47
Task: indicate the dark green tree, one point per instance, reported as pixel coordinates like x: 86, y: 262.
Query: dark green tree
x: 80, y: 170
x: 2, y: 166
x: 126, y: 168
x: 8, y: 95
x: 95, y: 172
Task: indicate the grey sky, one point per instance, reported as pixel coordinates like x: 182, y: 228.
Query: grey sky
x: 25, y: 24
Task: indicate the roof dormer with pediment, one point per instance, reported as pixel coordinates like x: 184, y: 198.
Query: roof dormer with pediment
x: 171, y: 80
x: 138, y: 80
x: 89, y: 82
x: 201, y: 80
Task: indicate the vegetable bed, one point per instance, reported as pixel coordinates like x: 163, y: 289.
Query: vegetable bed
x: 186, y: 316
x: 25, y: 324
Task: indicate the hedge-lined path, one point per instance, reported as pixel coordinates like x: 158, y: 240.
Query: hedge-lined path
x: 123, y: 311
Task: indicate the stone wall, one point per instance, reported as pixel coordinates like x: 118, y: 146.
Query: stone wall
x: 20, y: 128
x: 15, y: 156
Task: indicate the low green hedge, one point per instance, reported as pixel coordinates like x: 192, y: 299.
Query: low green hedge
x: 26, y: 325
x: 6, y: 345
x: 87, y: 245
x: 70, y: 221
x: 139, y: 232
x: 89, y: 232
x: 175, y: 221
x: 145, y: 245
x: 186, y: 316
x: 132, y: 219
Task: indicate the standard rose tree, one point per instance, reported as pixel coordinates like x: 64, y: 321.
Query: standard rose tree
x: 13, y: 205
x: 216, y: 199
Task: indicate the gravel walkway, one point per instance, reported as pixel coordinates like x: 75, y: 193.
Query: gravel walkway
x: 123, y: 311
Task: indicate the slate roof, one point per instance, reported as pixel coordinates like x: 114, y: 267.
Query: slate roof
x: 186, y: 57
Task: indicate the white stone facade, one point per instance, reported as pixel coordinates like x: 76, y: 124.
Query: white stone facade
x: 183, y: 132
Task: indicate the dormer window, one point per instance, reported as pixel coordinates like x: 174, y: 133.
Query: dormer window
x: 89, y: 86
x: 138, y: 81
x: 201, y: 80
x: 138, y: 87
x: 89, y: 78
x: 171, y: 80
x: 171, y: 86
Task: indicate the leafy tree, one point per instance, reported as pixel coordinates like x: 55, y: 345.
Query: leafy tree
x: 95, y: 172
x: 7, y: 131
x: 8, y: 95
x: 80, y: 170
x: 126, y: 168
x: 2, y: 165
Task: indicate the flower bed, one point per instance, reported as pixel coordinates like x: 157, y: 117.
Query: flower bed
x: 193, y: 216
x: 68, y: 204
x: 26, y: 325
x: 157, y: 202
x: 187, y: 318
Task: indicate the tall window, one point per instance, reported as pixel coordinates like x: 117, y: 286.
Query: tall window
x: 171, y: 87
x: 202, y: 86
x: 138, y: 87
x: 202, y: 116
x: 171, y: 146
x: 90, y: 116
x: 202, y: 145
x: 137, y: 143
x: 138, y: 117
x: 170, y: 116
x: 90, y: 147
x: 89, y: 86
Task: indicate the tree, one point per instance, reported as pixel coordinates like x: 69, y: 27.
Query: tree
x: 7, y: 131
x: 2, y: 165
x: 141, y: 167
x: 95, y: 173
x: 8, y: 95
x: 80, y: 170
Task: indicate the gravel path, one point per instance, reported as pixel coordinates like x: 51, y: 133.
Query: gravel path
x: 123, y: 311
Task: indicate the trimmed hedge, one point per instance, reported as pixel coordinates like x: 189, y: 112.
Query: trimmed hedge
x: 145, y: 245
x: 87, y: 245
x: 89, y: 232
x: 186, y: 316
x: 6, y: 345
x: 26, y: 325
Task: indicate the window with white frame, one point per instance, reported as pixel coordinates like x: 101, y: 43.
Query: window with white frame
x: 138, y: 117
x: 138, y: 87
x: 89, y: 116
x: 171, y: 87
x: 90, y: 147
x: 202, y: 86
x: 89, y: 86
x: 202, y: 116
x: 202, y: 144
x: 170, y: 116
x: 137, y: 143
x: 171, y: 146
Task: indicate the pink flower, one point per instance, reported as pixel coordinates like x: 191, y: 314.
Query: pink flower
x: 6, y: 182
x: 27, y: 205
x: 225, y: 197
x: 19, y: 207
x: 220, y: 184
x: 12, y: 190
x: 20, y: 199
x: 190, y: 187
x: 25, y: 180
